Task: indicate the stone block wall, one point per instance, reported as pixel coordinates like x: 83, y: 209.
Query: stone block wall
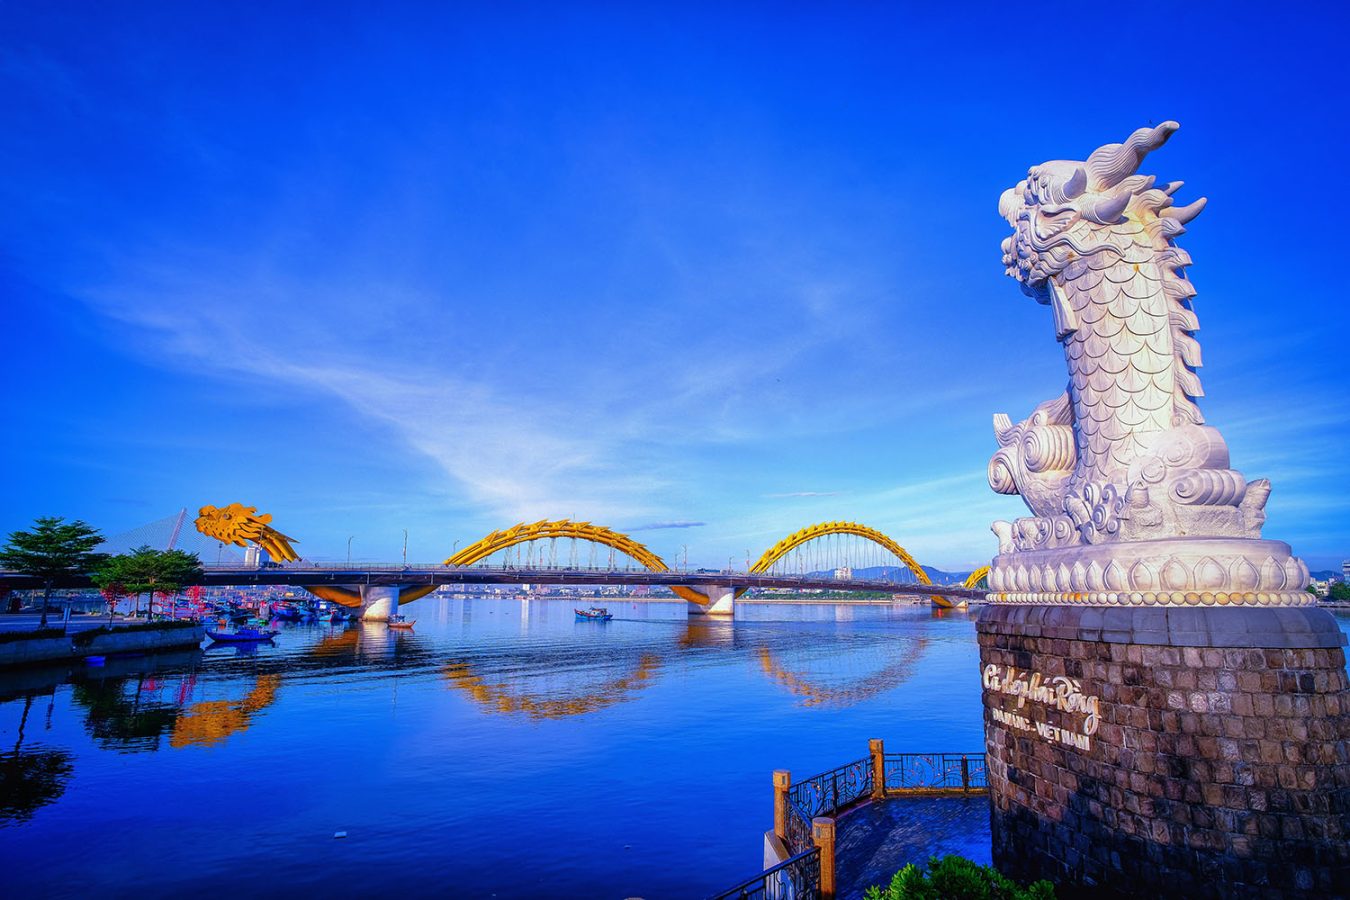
x: 1218, y: 765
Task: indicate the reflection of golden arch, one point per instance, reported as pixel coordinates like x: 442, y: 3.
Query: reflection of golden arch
x: 495, y: 697
x: 207, y: 724
x: 895, y: 674
x: 565, y: 528
x: 825, y: 529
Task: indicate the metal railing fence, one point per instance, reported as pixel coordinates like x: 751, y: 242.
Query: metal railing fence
x: 934, y: 773
x: 795, y: 878
x: 806, y: 810
x: 829, y: 793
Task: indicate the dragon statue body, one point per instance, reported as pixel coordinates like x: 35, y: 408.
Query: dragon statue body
x: 1122, y: 463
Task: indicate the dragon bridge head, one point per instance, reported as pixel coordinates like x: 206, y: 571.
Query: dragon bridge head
x: 1065, y: 209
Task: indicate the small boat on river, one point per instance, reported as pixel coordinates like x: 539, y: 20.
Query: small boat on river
x: 594, y: 614
x: 401, y: 622
x: 242, y: 636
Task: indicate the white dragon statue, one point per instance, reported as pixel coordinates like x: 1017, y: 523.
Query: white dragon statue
x: 1124, y: 454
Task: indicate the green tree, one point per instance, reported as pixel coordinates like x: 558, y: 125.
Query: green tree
x: 1339, y: 591
x: 53, y: 550
x: 147, y: 571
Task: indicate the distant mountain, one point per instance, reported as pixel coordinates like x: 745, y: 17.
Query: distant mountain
x: 1324, y: 574
x: 902, y: 575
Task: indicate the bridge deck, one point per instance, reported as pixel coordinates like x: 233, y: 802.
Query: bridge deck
x: 302, y: 575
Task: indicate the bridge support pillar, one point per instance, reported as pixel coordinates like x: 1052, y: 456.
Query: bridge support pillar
x: 379, y: 602
x: 721, y: 601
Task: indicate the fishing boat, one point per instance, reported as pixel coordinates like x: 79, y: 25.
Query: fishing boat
x: 401, y: 622
x: 594, y: 614
x: 243, y: 635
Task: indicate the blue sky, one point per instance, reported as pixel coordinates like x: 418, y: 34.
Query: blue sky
x: 446, y: 267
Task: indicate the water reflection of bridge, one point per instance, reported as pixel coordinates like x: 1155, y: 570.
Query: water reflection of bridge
x: 569, y: 681
x: 145, y: 704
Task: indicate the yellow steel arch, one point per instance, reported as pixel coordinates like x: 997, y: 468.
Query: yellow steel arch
x: 972, y: 580
x: 825, y: 529
x: 566, y: 528
x: 980, y: 574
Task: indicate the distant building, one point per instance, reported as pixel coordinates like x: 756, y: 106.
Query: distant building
x: 1345, y: 571
x: 843, y: 573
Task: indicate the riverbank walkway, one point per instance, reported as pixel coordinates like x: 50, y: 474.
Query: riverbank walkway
x: 28, y: 621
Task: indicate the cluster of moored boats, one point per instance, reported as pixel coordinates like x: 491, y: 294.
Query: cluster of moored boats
x: 238, y: 624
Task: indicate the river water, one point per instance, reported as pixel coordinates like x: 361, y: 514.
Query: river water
x: 502, y: 749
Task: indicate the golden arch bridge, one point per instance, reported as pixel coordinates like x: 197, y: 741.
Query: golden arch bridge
x: 835, y: 556
x: 825, y: 555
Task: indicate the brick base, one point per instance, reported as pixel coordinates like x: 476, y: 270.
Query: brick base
x: 1220, y: 763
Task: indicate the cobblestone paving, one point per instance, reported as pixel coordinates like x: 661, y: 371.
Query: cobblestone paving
x: 877, y: 840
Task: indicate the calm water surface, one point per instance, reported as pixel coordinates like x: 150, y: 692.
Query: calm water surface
x: 502, y: 749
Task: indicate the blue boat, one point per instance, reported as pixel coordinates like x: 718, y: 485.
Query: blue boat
x: 594, y: 614
x: 243, y: 635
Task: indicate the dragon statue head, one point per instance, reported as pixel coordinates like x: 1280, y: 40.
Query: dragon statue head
x: 1066, y: 210
x: 238, y: 524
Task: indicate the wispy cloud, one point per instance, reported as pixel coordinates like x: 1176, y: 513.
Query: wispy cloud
x: 543, y: 431
x: 661, y: 526
x: 805, y: 494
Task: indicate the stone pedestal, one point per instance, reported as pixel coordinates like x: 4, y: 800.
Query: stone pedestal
x: 1167, y: 751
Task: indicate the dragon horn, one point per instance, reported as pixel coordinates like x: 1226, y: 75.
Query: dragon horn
x: 1076, y: 184
x: 1184, y: 214
x: 1111, y: 164
x: 1106, y: 210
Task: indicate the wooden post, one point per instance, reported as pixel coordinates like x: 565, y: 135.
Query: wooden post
x: 965, y: 774
x: 822, y: 832
x: 782, y: 780
x: 877, y: 750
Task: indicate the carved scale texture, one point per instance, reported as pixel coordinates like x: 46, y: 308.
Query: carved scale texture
x: 1121, y: 358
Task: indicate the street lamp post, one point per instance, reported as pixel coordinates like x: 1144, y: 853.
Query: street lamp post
x: 349, y: 551
x: 405, y: 548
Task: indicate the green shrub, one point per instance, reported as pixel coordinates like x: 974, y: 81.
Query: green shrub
x: 7, y: 637
x: 85, y: 638
x: 956, y: 878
